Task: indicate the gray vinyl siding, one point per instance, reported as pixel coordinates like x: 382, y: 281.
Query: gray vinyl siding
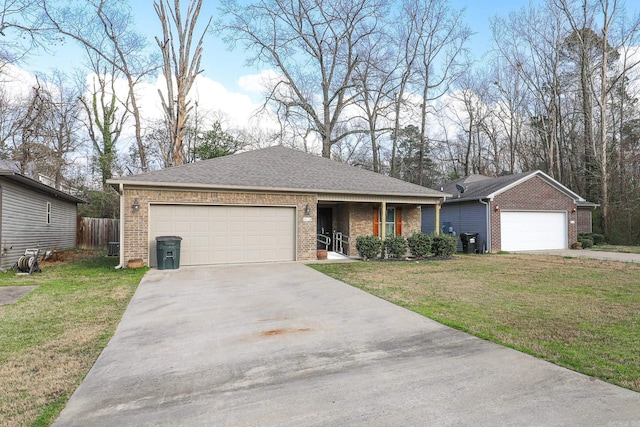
x: 24, y: 222
x: 470, y: 217
x: 428, y: 225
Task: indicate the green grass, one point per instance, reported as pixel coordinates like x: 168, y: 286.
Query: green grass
x: 50, y: 338
x: 580, y: 314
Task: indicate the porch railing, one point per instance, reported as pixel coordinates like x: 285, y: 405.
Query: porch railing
x: 324, y: 240
x: 340, y: 241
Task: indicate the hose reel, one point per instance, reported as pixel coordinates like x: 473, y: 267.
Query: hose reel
x: 28, y: 263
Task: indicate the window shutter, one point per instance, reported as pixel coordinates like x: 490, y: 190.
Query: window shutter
x: 398, y: 222
x: 376, y: 221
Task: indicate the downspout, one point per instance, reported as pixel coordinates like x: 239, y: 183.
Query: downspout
x: 383, y: 220
x: 119, y: 266
x: 488, y: 228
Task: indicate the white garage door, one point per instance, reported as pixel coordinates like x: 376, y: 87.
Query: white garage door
x: 528, y: 231
x: 225, y: 234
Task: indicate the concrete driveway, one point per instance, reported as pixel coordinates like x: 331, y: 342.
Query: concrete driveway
x: 589, y: 254
x: 283, y: 345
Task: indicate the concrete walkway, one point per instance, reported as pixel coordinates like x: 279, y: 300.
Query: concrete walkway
x: 589, y: 254
x: 283, y: 345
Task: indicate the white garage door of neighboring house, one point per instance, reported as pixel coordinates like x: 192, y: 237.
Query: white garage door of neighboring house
x: 225, y: 234
x: 527, y: 231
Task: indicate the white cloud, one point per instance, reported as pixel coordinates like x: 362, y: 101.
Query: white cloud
x: 16, y: 82
x: 256, y: 83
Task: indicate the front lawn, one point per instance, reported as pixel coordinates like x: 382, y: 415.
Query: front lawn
x: 577, y: 313
x: 50, y: 339
x: 616, y: 248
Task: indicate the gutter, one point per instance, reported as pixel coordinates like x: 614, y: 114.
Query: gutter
x: 210, y: 187
x: 121, y: 252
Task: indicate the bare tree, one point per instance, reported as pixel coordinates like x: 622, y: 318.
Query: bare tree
x: 105, y: 29
x: 315, y: 47
x: 440, y: 43
x: 23, y: 30
x: 406, y: 35
x: 103, y: 122
x: 602, y: 79
x: 60, y: 128
x: 375, y: 85
x: 529, y: 43
x: 180, y: 66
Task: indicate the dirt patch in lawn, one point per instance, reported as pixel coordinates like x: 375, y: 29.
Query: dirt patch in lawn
x: 11, y: 294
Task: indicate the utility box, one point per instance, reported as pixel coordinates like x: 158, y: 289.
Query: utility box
x: 469, y: 242
x: 168, y: 252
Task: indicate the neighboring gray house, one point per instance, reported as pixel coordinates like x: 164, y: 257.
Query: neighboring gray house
x: 527, y: 211
x: 33, y: 215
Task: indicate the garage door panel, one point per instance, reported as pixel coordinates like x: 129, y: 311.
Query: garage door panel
x: 225, y: 234
x: 522, y: 231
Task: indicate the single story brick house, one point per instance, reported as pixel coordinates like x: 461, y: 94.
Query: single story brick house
x: 527, y: 211
x: 33, y: 215
x: 263, y: 205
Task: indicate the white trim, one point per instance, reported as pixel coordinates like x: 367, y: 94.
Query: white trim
x: 49, y: 213
x: 545, y: 177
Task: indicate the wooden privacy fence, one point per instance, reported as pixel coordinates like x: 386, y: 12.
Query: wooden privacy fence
x: 96, y: 233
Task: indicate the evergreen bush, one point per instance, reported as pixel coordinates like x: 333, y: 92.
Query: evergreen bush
x: 419, y: 244
x: 395, y: 247
x: 368, y: 247
x: 444, y: 245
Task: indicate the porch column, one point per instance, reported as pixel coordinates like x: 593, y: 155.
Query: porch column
x: 383, y: 220
x: 437, y: 230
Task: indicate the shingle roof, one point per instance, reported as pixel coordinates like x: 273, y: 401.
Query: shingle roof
x: 37, y: 185
x: 279, y: 168
x: 483, y: 187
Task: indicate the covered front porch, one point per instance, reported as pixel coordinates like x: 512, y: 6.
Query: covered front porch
x: 340, y: 222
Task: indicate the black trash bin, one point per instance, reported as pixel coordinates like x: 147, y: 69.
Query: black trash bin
x: 469, y: 244
x: 168, y: 252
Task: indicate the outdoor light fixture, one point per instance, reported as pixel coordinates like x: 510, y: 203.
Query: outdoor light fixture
x: 307, y: 210
x: 136, y: 205
x: 497, y: 208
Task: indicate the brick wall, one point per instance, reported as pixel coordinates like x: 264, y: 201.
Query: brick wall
x: 535, y: 194
x: 585, y: 221
x: 136, y: 224
x: 361, y: 221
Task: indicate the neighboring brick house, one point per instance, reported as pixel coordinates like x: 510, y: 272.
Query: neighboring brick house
x: 527, y: 211
x: 263, y: 205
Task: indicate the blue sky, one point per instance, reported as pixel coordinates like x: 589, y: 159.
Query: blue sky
x: 226, y: 67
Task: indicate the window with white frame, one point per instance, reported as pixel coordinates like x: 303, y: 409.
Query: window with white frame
x: 390, y: 224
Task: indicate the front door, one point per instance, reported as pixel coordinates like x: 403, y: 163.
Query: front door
x: 325, y: 226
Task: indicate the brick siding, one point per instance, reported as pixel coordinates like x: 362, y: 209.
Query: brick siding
x: 535, y: 194
x: 361, y: 221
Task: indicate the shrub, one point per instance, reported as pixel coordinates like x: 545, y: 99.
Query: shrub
x: 419, y: 244
x: 598, y: 239
x: 368, y: 247
x: 586, y: 242
x: 396, y: 247
x: 576, y: 245
x: 444, y: 245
